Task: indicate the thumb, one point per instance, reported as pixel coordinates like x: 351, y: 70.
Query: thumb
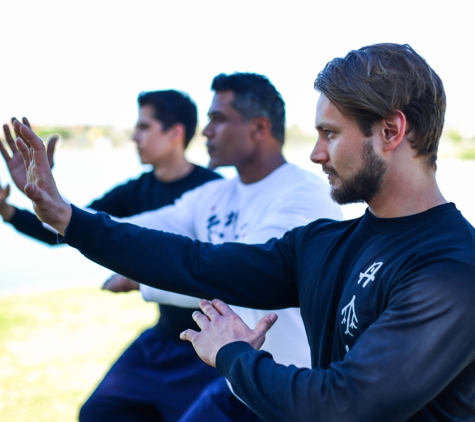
x: 34, y: 193
x: 264, y: 325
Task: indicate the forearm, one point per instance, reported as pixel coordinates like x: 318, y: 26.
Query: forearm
x: 239, y: 274
x: 27, y: 223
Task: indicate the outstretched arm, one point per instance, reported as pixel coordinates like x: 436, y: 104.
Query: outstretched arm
x: 15, y: 163
x: 41, y: 187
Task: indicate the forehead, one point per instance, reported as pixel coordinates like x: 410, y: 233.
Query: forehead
x: 146, y: 112
x: 223, y: 103
x: 328, y: 114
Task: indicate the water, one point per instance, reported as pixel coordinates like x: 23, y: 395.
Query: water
x: 27, y: 265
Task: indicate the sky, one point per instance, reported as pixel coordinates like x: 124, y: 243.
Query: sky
x: 69, y: 63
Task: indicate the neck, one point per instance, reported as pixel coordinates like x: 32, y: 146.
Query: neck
x: 406, y: 193
x: 173, y: 168
x: 253, y: 171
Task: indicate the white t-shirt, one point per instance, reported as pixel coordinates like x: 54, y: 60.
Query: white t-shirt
x: 231, y: 211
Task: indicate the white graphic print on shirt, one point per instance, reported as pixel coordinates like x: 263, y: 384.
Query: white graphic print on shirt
x: 348, y: 312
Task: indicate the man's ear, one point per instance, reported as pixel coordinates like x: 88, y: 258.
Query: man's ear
x: 393, y: 130
x: 177, y: 131
x: 261, y: 128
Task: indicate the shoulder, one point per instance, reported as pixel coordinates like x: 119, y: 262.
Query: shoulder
x: 304, y: 191
x: 204, y: 174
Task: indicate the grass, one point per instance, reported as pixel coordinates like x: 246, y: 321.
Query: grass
x: 56, y: 346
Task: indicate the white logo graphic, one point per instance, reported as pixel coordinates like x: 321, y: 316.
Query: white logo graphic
x: 369, y: 274
x: 349, y: 316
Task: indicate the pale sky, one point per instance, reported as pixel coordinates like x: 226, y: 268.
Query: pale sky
x: 85, y: 62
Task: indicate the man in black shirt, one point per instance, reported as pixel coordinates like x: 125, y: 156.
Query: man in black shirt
x: 142, y: 384
x: 387, y: 299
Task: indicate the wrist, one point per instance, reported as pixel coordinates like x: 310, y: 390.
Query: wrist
x: 65, y: 219
x: 7, y: 211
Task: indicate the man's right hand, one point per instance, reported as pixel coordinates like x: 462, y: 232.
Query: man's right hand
x: 119, y: 284
x: 15, y: 163
x: 41, y: 188
x: 6, y: 210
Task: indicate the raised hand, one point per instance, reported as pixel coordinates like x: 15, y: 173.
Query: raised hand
x: 41, y: 187
x: 6, y: 210
x: 15, y: 163
x: 119, y: 284
x: 220, y: 325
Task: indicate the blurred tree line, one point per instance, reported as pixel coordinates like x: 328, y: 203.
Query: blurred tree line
x: 83, y: 136
x: 453, y: 143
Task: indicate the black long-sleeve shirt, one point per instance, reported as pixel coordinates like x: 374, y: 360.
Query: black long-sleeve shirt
x: 388, y: 305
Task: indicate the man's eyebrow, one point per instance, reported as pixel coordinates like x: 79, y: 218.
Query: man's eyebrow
x: 321, y: 126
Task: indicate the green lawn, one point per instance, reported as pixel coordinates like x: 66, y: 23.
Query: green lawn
x: 56, y: 346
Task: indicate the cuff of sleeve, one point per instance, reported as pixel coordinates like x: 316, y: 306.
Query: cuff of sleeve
x: 82, y: 229
x: 228, y: 354
x: 15, y: 217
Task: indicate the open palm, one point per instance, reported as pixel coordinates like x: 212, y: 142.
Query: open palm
x: 15, y: 163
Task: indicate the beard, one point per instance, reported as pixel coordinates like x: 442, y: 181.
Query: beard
x: 363, y: 185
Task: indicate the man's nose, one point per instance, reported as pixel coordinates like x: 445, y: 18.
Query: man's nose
x: 319, y: 153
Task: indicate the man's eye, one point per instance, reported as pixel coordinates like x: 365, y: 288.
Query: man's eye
x: 329, y: 133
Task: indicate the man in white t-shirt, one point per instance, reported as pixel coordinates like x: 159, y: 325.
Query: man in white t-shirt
x: 270, y: 197
x: 246, y: 130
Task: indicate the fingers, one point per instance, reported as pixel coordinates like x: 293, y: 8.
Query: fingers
x: 188, y: 335
x: 265, y: 324
x: 15, y: 128
x: 202, y: 320
x: 28, y: 136
x: 9, y: 137
x: 4, y: 152
x: 26, y: 122
x: 53, y: 139
x: 24, y: 151
x: 221, y: 307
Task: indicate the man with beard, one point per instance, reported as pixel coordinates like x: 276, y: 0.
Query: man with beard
x: 386, y: 299
x: 246, y: 129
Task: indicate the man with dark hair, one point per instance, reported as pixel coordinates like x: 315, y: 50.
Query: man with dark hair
x: 141, y: 385
x: 254, y: 97
x: 171, y: 107
x: 386, y: 299
x: 268, y: 198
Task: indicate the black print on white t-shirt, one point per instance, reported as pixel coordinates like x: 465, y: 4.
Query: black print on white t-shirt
x: 214, y: 225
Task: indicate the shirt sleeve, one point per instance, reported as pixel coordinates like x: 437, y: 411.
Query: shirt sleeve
x: 179, y: 264
x: 176, y: 218
x: 27, y: 223
x: 421, y: 343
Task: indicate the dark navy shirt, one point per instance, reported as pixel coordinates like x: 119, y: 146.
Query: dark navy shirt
x: 388, y: 306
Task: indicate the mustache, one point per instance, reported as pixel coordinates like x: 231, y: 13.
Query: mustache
x: 329, y: 170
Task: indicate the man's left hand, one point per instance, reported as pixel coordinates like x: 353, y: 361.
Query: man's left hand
x: 220, y: 326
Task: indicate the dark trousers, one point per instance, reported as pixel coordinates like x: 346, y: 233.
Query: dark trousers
x: 217, y: 403
x: 155, y: 379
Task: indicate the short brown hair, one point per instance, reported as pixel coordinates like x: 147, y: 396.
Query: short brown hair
x: 371, y: 83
